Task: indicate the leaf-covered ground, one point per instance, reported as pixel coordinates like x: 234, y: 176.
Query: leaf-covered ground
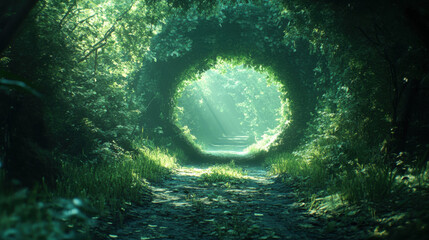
x: 254, y: 206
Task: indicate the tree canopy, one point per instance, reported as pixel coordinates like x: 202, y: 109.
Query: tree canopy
x: 103, y: 65
x: 102, y: 84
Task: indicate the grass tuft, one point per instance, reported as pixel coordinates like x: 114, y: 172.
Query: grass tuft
x: 111, y: 184
x: 370, y: 182
x: 312, y: 172
x: 155, y: 164
x: 223, y: 173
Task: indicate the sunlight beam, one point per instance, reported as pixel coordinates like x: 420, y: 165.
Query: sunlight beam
x: 231, y: 110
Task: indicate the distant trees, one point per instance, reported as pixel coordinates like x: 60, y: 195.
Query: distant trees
x: 231, y: 101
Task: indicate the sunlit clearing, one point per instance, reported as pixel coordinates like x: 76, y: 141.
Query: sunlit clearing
x: 232, y: 110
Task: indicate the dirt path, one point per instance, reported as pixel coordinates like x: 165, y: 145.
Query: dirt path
x: 256, y: 208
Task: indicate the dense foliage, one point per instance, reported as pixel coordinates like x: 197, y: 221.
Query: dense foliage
x: 243, y: 34
x: 91, y: 86
x: 75, y: 51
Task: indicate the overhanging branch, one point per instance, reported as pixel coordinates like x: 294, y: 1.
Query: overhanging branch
x: 101, y: 43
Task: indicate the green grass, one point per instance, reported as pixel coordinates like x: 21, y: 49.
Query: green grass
x: 226, y: 173
x: 112, y: 184
x: 27, y: 215
x: 370, y: 182
x: 363, y: 189
x: 286, y: 163
x: 313, y: 173
x: 83, y: 190
x: 106, y: 186
x: 155, y: 164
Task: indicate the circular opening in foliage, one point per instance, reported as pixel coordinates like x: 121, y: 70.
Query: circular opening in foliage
x: 231, y: 109
x: 249, y: 35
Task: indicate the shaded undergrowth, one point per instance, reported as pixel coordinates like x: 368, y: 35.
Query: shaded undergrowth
x: 111, y: 184
x: 25, y: 214
x: 84, y: 193
x: 386, y: 202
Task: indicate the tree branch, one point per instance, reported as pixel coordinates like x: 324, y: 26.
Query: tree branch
x: 82, y: 21
x: 69, y: 10
x: 92, y: 51
x: 108, y: 33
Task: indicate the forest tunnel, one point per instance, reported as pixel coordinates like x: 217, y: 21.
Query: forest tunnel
x: 231, y: 110
x: 245, y: 35
x: 101, y: 101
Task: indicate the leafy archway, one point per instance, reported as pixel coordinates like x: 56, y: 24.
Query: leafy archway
x: 246, y: 34
x: 231, y: 110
